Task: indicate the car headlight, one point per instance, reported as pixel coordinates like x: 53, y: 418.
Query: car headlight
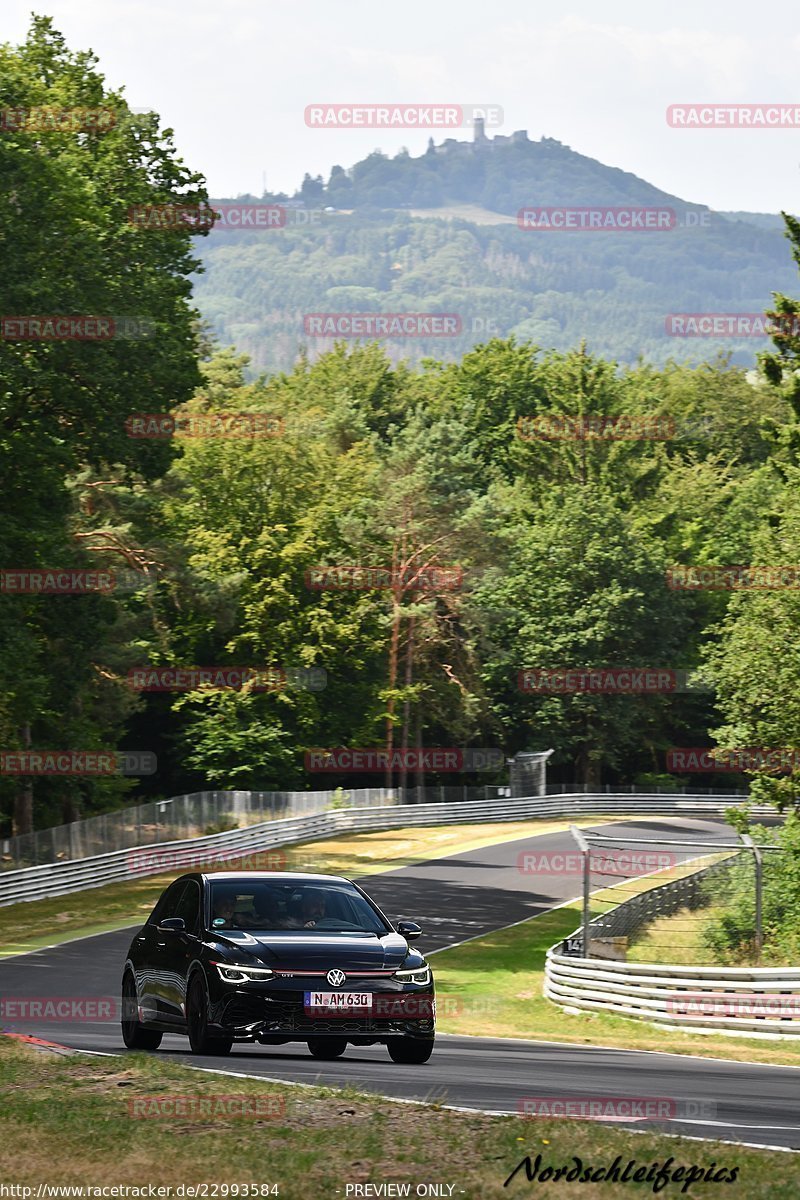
x: 230, y: 973
x: 416, y: 975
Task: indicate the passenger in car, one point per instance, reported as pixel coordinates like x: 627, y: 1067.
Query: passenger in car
x: 264, y: 914
x: 312, y: 910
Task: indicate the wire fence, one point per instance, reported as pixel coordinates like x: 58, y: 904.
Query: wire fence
x: 176, y: 819
x: 708, y: 909
x: 200, y: 813
x: 685, y: 895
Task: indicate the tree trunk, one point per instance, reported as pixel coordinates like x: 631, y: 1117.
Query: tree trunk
x: 588, y: 768
x: 70, y: 810
x: 394, y: 650
x: 409, y: 678
x: 419, y: 770
x: 22, y: 821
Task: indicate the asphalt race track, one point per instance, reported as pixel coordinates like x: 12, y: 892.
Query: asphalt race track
x: 456, y: 898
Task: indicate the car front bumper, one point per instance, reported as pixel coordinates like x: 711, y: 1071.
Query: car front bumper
x: 252, y: 1013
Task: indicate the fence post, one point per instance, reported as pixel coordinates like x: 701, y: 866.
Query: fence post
x: 585, y: 851
x: 759, y: 881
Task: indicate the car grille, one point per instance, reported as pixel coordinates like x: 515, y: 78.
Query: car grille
x: 290, y: 1016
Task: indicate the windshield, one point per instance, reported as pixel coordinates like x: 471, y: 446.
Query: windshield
x: 274, y: 907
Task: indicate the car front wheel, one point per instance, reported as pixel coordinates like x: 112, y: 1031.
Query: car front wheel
x: 201, y: 1041
x: 405, y: 1050
x: 134, y: 1034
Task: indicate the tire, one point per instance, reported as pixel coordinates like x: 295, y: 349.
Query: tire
x: 134, y: 1034
x: 200, y: 1040
x: 410, y: 1051
x: 327, y: 1048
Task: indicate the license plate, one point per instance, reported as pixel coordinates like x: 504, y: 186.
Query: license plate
x: 335, y: 1001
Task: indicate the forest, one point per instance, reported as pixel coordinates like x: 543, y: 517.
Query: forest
x: 379, y: 552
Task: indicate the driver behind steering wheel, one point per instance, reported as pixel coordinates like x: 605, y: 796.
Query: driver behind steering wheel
x: 312, y: 910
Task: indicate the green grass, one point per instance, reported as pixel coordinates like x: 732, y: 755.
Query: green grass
x: 493, y: 986
x: 67, y: 1121
x: 676, y: 939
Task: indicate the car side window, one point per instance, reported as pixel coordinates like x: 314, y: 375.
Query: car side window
x: 167, y: 905
x: 189, y: 906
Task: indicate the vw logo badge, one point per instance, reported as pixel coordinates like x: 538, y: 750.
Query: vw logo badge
x: 336, y: 978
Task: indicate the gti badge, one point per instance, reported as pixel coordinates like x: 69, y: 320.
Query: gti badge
x: 336, y: 978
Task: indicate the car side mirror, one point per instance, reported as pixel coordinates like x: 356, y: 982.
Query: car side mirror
x: 172, y: 925
x: 409, y: 929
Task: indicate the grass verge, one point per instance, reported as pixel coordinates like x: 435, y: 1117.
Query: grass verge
x: 38, y: 923
x: 676, y: 939
x: 493, y: 987
x: 67, y: 1121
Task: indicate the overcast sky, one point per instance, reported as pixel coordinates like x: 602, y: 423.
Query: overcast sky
x: 233, y: 78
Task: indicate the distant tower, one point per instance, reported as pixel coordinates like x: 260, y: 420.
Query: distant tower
x: 479, y: 131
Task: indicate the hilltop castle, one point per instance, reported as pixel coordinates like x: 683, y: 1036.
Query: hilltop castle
x: 480, y: 142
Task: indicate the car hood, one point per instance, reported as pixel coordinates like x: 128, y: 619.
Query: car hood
x: 351, y: 952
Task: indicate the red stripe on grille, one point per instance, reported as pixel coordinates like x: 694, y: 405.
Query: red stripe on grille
x: 347, y: 974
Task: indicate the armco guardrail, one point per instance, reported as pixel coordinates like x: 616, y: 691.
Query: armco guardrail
x: 705, y: 999
x: 764, y: 1001
x: 195, y: 814
x: 58, y: 879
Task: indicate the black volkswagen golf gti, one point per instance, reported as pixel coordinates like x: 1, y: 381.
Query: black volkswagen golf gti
x: 275, y: 958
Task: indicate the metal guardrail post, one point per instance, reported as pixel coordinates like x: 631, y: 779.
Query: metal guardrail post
x: 758, y: 862
x: 584, y: 848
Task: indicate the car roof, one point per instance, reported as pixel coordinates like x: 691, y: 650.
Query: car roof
x: 274, y: 876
